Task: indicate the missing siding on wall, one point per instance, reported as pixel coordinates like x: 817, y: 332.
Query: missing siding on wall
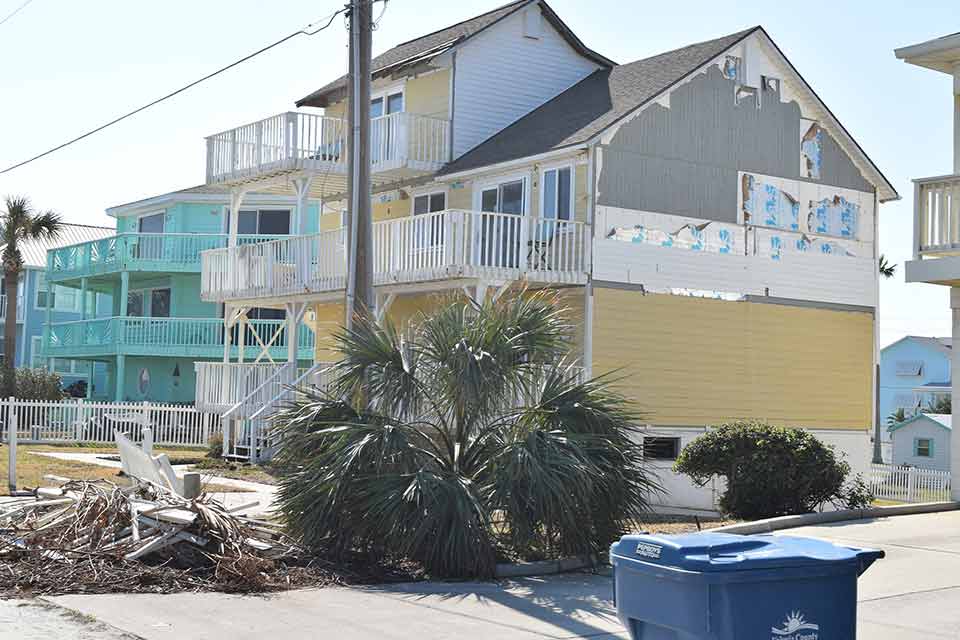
x: 834, y: 216
x: 768, y: 204
x: 811, y: 147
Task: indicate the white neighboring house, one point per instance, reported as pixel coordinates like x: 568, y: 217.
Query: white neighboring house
x: 923, y: 441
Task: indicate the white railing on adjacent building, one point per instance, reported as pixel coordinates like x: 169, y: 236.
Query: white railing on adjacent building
x: 909, y: 484
x: 303, y: 141
x: 450, y: 243
x: 89, y: 422
x: 937, y: 215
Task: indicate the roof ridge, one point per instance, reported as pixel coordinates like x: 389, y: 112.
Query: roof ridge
x: 464, y: 21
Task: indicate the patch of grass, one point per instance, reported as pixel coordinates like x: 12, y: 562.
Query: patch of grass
x: 31, y: 468
x: 263, y: 474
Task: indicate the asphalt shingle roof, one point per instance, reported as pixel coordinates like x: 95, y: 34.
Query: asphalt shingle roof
x: 433, y: 44
x: 593, y: 104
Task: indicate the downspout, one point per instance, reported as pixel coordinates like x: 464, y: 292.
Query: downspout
x: 877, y: 434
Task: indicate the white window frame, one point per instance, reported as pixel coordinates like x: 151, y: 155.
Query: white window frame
x: 543, y: 192
x: 427, y: 194
x: 495, y: 182
x: 224, y: 226
x: 391, y: 90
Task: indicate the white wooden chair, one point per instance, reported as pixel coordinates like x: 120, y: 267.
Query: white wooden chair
x: 156, y: 470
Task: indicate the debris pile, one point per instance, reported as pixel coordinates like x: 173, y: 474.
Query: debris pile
x: 98, y: 537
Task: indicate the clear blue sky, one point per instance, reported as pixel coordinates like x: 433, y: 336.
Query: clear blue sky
x: 67, y: 66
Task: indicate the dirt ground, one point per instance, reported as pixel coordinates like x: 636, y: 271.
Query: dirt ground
x: 679, y: 524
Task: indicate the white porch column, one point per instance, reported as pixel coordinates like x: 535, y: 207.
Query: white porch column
x: 955, y: 389
x: 236, y: 201
x: 302, y: 186
x: 956, y: 118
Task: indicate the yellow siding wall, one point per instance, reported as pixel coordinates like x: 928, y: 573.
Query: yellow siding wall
x: 429, y: 95
x: 327, y: 320
x: 693, y: 361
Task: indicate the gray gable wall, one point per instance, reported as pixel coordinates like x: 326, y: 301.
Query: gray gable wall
x: 684, y: 159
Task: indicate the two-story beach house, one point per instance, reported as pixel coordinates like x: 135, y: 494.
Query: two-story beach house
x: 710, y: 224
x: 157, y: 326
x: 914, y: 374
x: 936, y: 208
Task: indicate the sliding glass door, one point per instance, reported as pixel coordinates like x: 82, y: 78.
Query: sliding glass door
x: 501, y: 231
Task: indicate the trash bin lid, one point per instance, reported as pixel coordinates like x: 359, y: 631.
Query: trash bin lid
x: 702, y: 552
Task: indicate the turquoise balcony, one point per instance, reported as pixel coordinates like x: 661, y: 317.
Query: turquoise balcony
x: 148, y: 252
x: 171, y: 337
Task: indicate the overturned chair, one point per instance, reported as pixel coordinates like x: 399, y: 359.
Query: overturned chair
x: 144, y: 467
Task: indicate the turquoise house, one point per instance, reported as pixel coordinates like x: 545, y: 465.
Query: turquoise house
x: 157, y: 326
x: 914, y: 372
x: 34, y: 294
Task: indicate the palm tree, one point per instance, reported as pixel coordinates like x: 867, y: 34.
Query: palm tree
x: 940, y: 404
x: 887, y: 270
x: 19, y: 222
x: 896, y: 417
x: 466, y: 438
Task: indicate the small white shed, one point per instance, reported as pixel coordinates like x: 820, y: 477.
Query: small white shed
x: 923, y: 441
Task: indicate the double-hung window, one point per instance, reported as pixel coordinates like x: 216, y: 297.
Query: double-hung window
x: 923, y: 447
x: 556, y: 203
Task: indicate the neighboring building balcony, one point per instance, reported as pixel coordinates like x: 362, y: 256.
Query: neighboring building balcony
x: 3, y: 308
x: 441, y: 246
x: 936, y: 231
x: 155, y: 252
x: 402, y: 145
x: 171, y: 337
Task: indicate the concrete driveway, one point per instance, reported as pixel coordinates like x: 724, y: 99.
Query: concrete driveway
x: 913, y: 594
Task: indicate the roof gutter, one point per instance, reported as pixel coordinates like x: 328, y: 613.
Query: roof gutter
x: 509, y: 164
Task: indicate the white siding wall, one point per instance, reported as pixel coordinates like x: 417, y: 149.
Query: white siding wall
x: 798, y: 276
x: 502, y: 75
x: 903, y: 445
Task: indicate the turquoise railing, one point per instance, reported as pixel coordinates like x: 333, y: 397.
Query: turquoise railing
x: 198, y: 337
x: 176, y: 252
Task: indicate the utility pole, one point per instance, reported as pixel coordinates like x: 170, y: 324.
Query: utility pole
x: 360, y: 268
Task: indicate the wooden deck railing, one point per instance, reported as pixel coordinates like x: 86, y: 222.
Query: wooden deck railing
x: 293, y: 141
x: 937, y: 216
x: 421, y: 248
x: 200, y: 337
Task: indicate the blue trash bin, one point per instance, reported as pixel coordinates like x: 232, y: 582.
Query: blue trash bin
x: 715, y: 586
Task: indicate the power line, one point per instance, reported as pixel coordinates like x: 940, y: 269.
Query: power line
x: 327, y: 21
x: 15, y: 11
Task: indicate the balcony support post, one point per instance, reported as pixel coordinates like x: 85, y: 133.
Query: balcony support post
x: 83, y: 298
x: 954, y: 454
x: 956, y: 118
x: 241, y: 335
x: 227, y: 310
x: 124, y: 292
x: 302, y: 186
x: 236, y: 201
x: 295, y: 312
x: 121, y: 374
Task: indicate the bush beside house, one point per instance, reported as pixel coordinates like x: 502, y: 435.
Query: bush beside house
x: 771, y: 471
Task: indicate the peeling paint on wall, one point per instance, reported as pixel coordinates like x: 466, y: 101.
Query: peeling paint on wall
x: 730, y: 68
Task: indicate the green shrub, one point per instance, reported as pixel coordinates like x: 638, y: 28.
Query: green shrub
x: 771, y: 471
x: 37, y: 384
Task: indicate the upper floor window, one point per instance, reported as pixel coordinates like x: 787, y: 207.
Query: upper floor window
x: 557, y: 193
x: 909, y: 367
x: 387, y: 104
x: 58, y: 297
x: 153, y: 223
x: 149, y: 303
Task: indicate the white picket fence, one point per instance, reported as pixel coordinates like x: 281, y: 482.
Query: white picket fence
x: 909, y: 484
x: 82, y: 421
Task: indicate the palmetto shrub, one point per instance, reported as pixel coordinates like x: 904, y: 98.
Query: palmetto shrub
x: 466, y: 438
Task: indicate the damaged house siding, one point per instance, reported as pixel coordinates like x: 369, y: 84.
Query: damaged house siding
x: 684, y: 159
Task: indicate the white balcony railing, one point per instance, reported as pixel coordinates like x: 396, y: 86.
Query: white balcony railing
x: 302, y: 141
x: 937, y: 216
x: 3, y: 308
x: 444, y: 244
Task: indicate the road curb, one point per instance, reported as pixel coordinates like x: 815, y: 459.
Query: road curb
x: 806, y: 519
x: 544, y: 567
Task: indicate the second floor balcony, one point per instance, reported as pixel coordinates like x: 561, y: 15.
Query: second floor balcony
x: 156, y: 252
x: 445, y: 245
x: 401, y: 145
x: 171, y: 337
x: 936, y: 231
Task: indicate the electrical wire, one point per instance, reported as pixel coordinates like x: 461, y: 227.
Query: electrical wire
x: 326, y: 22
x: 15, y: 11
